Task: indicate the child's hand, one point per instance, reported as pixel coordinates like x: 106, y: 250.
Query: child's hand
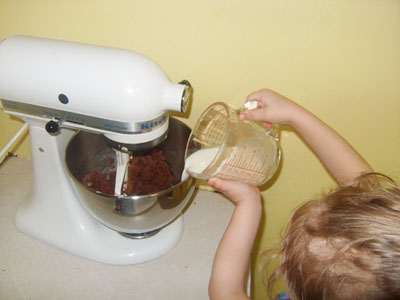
x: 272, y: 108
x: 238, y: 192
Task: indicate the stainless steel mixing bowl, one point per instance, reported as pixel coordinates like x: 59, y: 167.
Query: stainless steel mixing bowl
x: 134, y: 216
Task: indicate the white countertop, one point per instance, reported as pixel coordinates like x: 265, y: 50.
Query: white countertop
x: 30, y: 269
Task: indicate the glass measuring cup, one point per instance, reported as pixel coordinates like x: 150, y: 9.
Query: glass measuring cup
x: 221, y: 145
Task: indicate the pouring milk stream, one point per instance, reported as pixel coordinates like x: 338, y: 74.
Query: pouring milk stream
x: 198, y: 161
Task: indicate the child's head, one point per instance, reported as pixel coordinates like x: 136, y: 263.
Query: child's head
x: 346, y: 245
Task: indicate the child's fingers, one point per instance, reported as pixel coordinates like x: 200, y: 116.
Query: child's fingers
x: 254, y: 114
x: 256, y: 95
x: 222, y: 185
x: 229, y: 188
x: 268, y: 124
x: 235, y: 190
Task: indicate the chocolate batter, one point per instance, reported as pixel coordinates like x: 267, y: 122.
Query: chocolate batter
x: 148, y: 173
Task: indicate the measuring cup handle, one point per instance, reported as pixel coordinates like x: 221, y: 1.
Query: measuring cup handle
x: 253, y: 104
x: 273, y: 132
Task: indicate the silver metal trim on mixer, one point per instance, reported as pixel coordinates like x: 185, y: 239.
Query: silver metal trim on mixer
x: 75, y: 120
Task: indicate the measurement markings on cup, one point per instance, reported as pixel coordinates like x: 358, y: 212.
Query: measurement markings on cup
x: 216, y: 121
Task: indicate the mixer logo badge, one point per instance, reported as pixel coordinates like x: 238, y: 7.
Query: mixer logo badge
x: 149, y: 125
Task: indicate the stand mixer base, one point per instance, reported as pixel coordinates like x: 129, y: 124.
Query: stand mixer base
x: 102, y: 244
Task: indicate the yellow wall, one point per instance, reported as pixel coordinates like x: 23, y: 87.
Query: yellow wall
x: 338, y: 58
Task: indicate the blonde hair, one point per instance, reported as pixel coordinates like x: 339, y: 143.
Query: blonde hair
x: 345, y: 245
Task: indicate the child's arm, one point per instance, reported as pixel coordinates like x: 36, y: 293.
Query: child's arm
x: 233, y: 256
x: 338, y: 156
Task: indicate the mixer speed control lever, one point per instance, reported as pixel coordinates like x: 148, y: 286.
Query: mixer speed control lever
x: 53, y: 126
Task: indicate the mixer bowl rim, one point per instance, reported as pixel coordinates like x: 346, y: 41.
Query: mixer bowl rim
x: 132, y: 197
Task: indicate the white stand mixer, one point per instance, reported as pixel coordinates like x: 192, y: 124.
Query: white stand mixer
x: 118, y: 93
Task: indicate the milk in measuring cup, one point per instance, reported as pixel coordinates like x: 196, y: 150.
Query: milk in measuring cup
x: 198, y: 161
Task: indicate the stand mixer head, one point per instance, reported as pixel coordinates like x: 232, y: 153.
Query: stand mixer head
x: 64, y: 90
x: 119, y: 93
